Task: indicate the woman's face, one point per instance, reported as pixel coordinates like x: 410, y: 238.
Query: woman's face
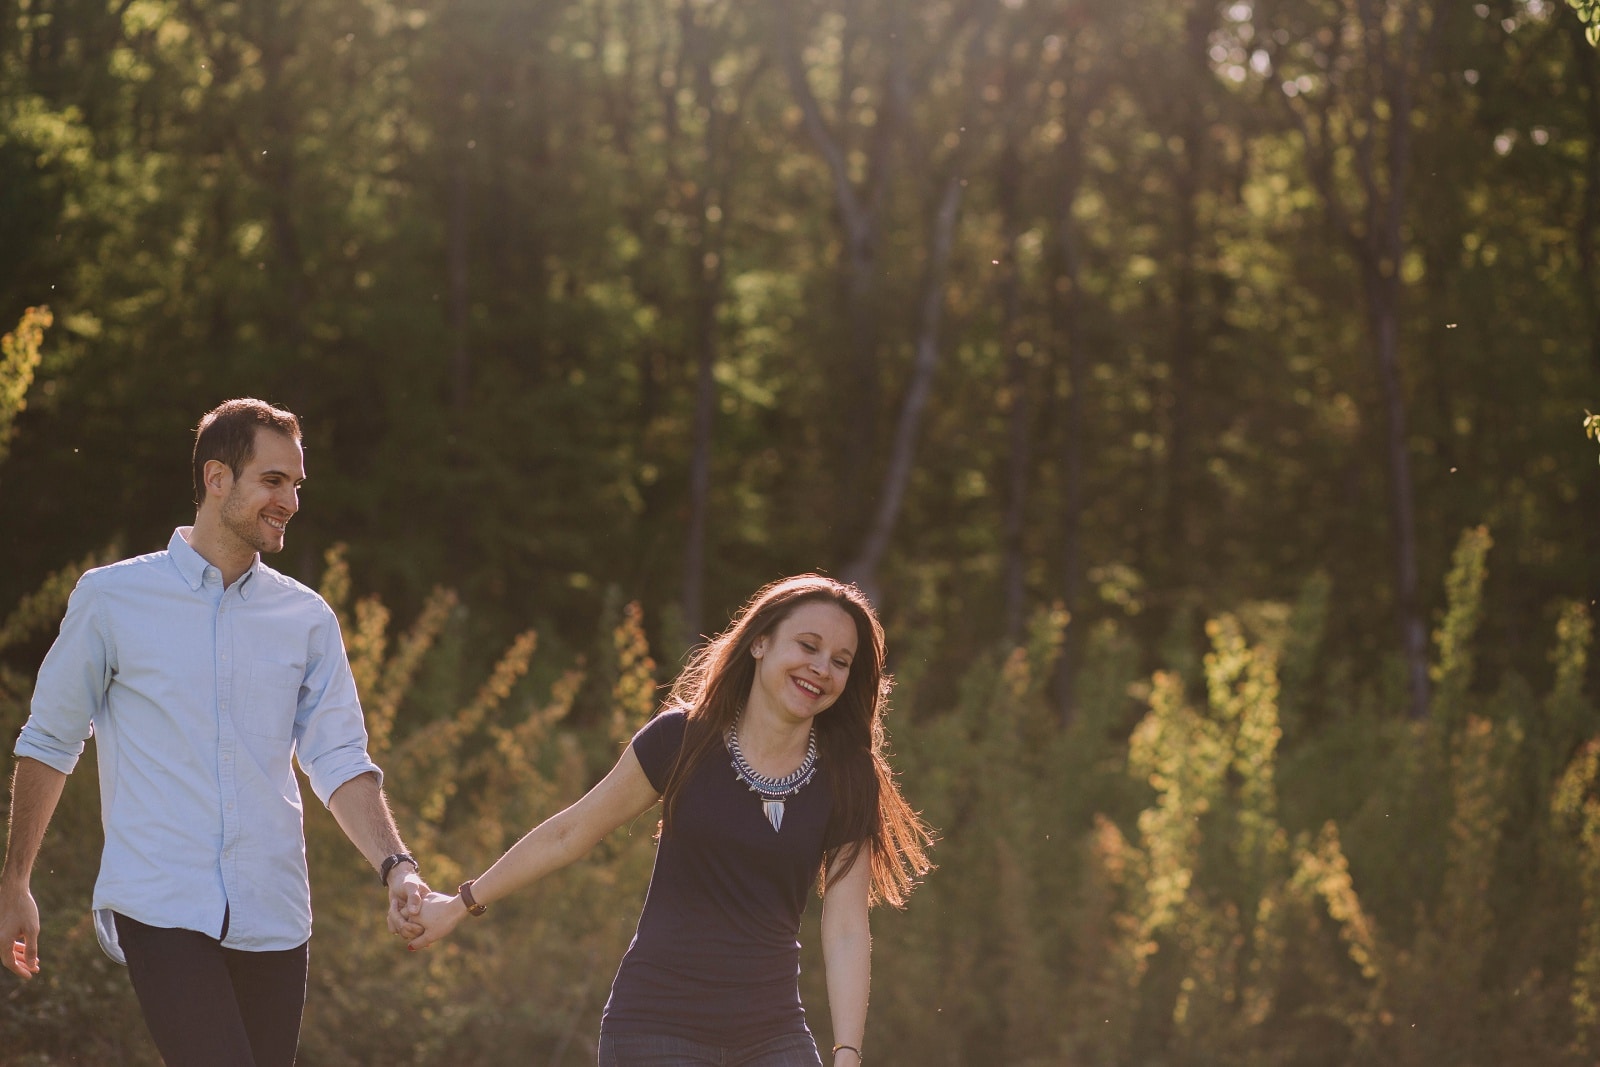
x: 803, y: 664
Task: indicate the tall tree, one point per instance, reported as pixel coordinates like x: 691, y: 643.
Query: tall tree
x: 1349, y: 78
x: 861, y: 190
x: 703, y: 108
x: 1078, y: 76
x: 942, y: 136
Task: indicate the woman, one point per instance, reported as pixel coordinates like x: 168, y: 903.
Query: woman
x: 769, y: 760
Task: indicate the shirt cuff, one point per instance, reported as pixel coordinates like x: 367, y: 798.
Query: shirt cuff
x: 52, y: 752
x: 336, y: 768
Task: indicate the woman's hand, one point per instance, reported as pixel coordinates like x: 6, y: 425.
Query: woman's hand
x: 440, y: 914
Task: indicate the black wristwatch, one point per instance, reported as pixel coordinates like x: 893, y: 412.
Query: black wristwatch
x: 389, y: 865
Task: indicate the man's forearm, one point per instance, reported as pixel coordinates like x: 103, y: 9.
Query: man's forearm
x: 35, y: 792
x: 363, y: 814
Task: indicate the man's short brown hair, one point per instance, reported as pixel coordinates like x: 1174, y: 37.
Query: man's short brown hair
x: 228, y: 433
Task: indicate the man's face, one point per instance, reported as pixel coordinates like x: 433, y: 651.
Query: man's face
x: 266, y: 494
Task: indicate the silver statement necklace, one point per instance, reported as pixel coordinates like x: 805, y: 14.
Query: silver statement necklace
x: 773, y: 791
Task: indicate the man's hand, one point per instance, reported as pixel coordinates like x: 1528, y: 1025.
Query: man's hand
x: 406, y: 891
x: 19, y: 928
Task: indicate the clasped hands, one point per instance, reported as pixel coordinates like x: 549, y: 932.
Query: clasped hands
x: 438, y: 915
x: 407, y: 891
x: 417, y: 913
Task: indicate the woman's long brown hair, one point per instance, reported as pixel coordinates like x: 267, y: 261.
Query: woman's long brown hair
x: 868, y: 809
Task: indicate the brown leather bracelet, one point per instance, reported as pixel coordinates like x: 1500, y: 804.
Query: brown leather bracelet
x: 473, y: 907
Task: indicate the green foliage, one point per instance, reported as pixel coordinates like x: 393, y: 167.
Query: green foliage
x: 481, y: 253
x: 1452, y: 669
x: 1103, y: 898
x: 1589, y: 13
x: 480, y: 250
x: 466, y: 780
x: 19, y: 358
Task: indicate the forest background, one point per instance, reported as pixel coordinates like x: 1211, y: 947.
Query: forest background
x: 1197, y: 387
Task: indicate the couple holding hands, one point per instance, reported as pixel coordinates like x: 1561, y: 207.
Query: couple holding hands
x: 205, y: 674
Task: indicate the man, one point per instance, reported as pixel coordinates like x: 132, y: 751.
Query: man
x: 202, y: 673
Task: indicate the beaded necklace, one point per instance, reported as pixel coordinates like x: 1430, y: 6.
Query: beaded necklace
x: 773, y: 791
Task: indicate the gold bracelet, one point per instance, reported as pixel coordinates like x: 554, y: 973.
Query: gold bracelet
x: 847, y: 1048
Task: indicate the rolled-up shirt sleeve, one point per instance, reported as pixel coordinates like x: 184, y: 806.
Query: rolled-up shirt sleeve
x: 71, y: 687
x: 330, y: 733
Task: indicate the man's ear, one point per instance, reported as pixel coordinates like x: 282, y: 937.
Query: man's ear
x: 218, y: 476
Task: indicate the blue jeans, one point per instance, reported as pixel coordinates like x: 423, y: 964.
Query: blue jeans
x: 661, y: 1050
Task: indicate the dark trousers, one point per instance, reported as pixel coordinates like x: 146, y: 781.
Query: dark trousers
x: 209, y: 1006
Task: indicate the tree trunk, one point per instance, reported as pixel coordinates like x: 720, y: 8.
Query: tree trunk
x: 1018, y: 408
x: 712, y: 208
x: 1068, y: 313
x: 863, y: 569
x: 457, y: 220
x: 458, y: 317
x: 1589, y: 81
x: 1387, y: 241
x: 858, y: 454
x: 1383, y: 297
x: 277, y: 169
x: 945, y: 210
x: 705, y: 400
x: 1383, y: 107
x: 1184, y: 355
x: 859, y: 210
x: 1588, y: 67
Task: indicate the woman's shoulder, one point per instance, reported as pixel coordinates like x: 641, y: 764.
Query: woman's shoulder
x: 666, y: 721
x: 659, y: 740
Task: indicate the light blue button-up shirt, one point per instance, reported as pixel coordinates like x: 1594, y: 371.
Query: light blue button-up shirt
x: 199, y: 698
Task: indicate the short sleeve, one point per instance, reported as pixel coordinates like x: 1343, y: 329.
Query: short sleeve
x: 657, y: 744
x: 837, y: 837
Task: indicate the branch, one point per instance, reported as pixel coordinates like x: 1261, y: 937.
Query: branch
x: 856, y: 219
x: 1318, y: 155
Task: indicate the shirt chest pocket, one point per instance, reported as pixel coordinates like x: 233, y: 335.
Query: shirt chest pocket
x: 272, y: 699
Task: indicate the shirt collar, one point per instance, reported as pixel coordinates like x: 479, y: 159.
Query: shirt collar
x: 193, y: 566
